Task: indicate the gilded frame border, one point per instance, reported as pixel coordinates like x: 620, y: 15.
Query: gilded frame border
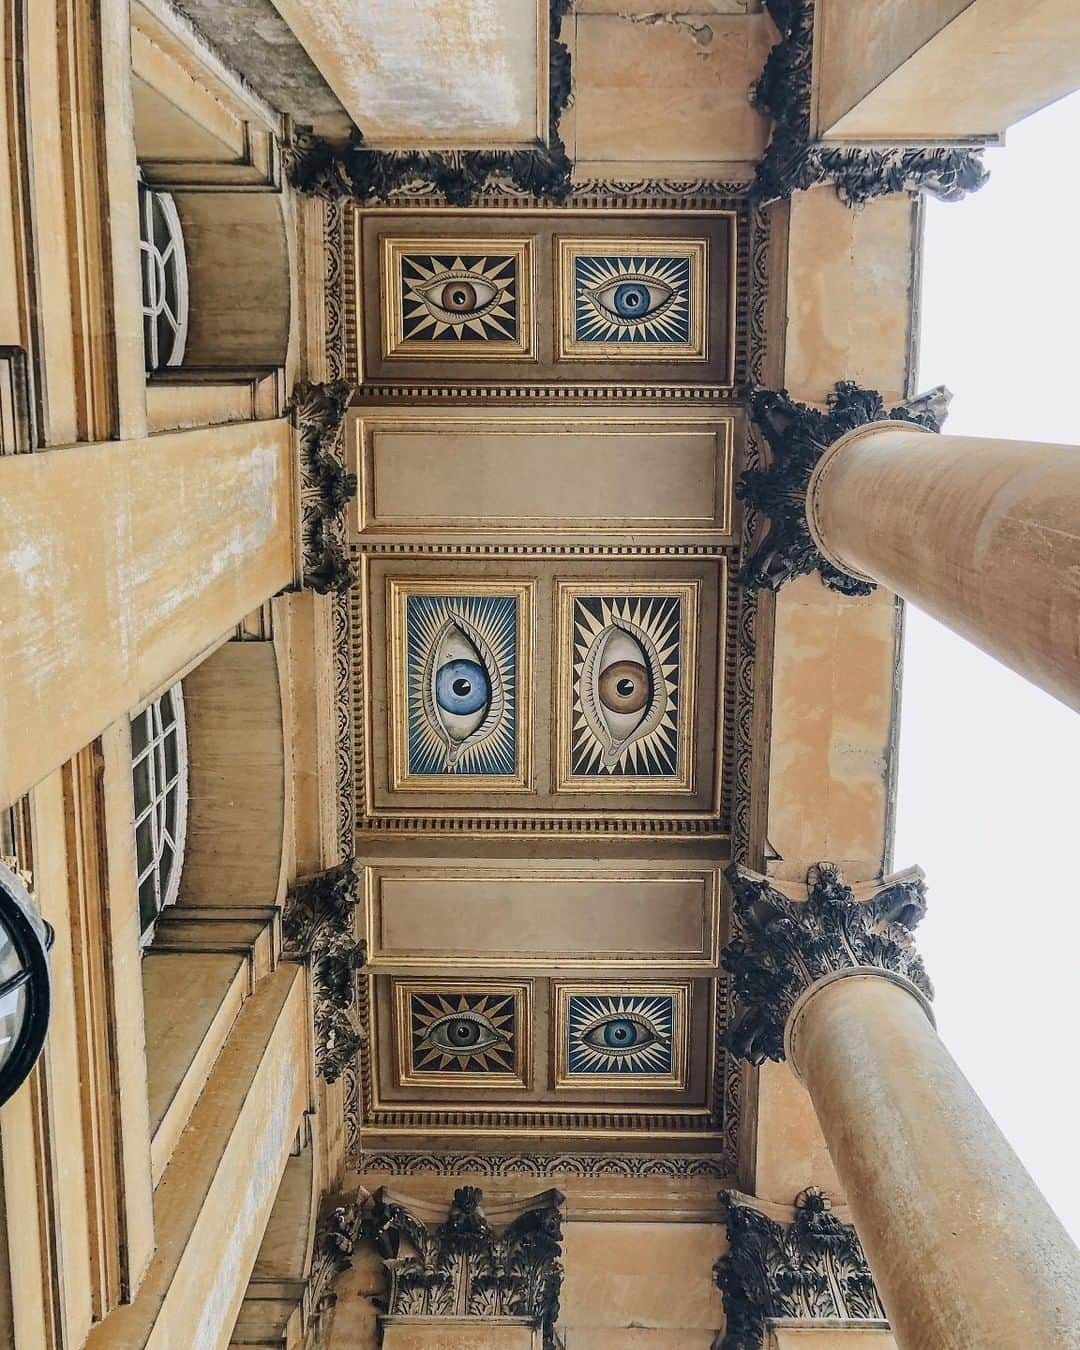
x: 398, y: 591
x: 407, y: 1074
x: 395, y: 346
x: 566, y: 593
x: 681, y: 993
x: 568, y: 348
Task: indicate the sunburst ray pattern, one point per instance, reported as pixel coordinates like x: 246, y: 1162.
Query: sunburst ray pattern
x: 483, y: 632
x: 643, y: 300
x: 605, y: 740
x: 454, y: 298
x: 452, y: 1032
x: 622, y: 1035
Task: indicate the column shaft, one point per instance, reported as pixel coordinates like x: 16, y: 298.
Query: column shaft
x: 964, y: 1249
x: 983, y: 534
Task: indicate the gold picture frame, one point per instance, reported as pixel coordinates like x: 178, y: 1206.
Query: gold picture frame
x: 423, y: 1007
x: 592, y: 323
x: 417, y: 276
x: 596, y: 751
x: 584, y: 1009
x: 423, y: 753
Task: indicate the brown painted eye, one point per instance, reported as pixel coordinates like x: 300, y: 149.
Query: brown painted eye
x: 459, y: 297
x: 624, y: 687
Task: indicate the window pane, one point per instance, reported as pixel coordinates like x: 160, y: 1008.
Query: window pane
x: 170, y: 813
x: 144, y: 843
x: 171, y: 757
x: 140, y: 778
x: 147, y: 903
x: 140, y: 732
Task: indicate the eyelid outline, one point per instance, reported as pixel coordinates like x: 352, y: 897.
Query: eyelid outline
x: 496, y: 703
x: 592, y: 293
x: 638, y: 1019
x: 466, y: 1015
x: 454, y: 274
x: 590, y: 694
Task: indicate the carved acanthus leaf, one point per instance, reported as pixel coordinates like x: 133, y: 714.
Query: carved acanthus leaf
x: 811, y: 1268
x: 798, y: 436
x: 326, y: 488
x: 318, y: 926
x: 464, y: 1267
x: 793, y: 161
x: 787, y: 945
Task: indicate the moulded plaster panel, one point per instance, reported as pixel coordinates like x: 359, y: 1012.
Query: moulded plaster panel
x: 838, y: 1337
x: 668, y: 86
x: 423, y: 73
x: 439, y: 1334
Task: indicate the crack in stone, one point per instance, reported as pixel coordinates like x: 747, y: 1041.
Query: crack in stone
x: 700, y: 33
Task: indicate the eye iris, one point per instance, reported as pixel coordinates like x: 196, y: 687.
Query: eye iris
x: 461, y: 687
x: 631, y: 299
x: 462, y: 1033
x: 624, y: 687
x: 459, y: 297
x: 620, y: 1033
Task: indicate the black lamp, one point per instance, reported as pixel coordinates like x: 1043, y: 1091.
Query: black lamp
x: 25, y: 940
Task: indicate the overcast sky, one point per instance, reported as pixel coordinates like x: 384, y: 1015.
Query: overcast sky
x: 989, y: 785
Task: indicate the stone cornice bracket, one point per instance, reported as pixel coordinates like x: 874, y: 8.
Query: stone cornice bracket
x: 788, y: 946
x: 318, y: 412
x: 465, y: 1267
x: 813, y: 1267
x: 339, y: 1230
x: 318, y: 927
x: 356, y: 173
x: 798, y: 437
x: 793, y: 161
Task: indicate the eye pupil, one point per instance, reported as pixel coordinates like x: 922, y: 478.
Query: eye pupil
x: 461, y: 687
x: 463, y: 1033
x: 460, y: 297
x: 630, y: 298
x: 624, y: 687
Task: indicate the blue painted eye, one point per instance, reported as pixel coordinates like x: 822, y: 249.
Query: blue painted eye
x: 620, y: 1034
x: 462, y: 687
x: 631, y: 301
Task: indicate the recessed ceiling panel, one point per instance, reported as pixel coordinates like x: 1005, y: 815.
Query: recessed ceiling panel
x: 422, y: 74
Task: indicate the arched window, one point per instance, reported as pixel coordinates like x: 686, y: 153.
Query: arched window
x: 159, y: 777
x: 164, y: 279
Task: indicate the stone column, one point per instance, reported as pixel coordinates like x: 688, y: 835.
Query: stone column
x: 964, y: 1249
x: 983, y: 534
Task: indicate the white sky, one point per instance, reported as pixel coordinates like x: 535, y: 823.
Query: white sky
x: 990, y: 765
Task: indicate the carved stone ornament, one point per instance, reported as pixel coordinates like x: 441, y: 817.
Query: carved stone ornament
x: 465, y: 1268
x: 798, y: 436
x: 339, y: 1230
x: 318, y: 927
x: 811, y: 1268
x: 458, y: 176
x: 325, y: 487
x: 787, y: 945
x: 793, y: 161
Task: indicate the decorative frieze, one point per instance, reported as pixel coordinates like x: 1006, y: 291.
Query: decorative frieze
x: 459, y: 177
x: 798, y: 436
x: 787, y: 945
x: 318, y: 927
x: 325, y: 486
x: 793, y: 161
x: 809, y: 1269
x: 464, y: 1267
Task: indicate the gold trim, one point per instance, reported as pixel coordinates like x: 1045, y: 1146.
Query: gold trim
x: 675, y: 1080
x: 392, y: 249
x: 566, y: 593
x: 398, y: 590
x: 408, y: 1075
x: 569, y: 348
x: 447, y: 958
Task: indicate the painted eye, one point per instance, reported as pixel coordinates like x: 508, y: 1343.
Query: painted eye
x: 620, y: 1035
x: 459, y: 295
x: 463, y: 1033
x: 631, y: 300
x: 623, y: 690
x: 463, y: 694
x: 462, y: 687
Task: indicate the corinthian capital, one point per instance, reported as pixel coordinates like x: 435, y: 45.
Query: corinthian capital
x: 787, y: 945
